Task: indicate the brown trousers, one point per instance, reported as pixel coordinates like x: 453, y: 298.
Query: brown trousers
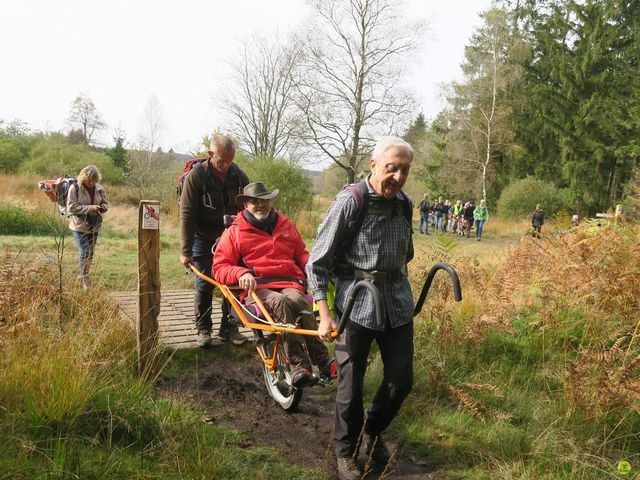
x: 285, y: 306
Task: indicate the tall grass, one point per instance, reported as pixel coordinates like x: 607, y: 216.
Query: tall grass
x: 71, y: 405
x: 536, y: 374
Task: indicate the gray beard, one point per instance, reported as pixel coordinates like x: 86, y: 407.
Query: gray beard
x: 261, y: 215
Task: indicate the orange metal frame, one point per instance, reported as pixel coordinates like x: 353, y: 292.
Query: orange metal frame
x: 270, y: 325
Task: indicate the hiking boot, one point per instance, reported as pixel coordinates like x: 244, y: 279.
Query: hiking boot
x: 204, y: 339
x: 232, y: 335
x: 329, y: 371
x: 85, y: 281
x: 302, y: 377
x: 348, y: 469
x: 379, y: 452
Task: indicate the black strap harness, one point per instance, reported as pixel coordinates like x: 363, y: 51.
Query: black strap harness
x: 383, y: 208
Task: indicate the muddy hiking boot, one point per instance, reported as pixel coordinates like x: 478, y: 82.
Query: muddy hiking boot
x: 348, y: 469
x: 375, y: 448
x: 233, y: 336
x: 85, y: 281
x: 229, y: 332
x: 204, y: 339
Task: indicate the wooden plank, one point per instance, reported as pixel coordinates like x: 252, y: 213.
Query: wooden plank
x: 176, y: 327
x: 185, y: 321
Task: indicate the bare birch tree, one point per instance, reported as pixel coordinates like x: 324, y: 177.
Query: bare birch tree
x: 144, y: 171
x: 84, y: 115
x: 258, y: 100
x: 349, y: 87
x: 481, y: 110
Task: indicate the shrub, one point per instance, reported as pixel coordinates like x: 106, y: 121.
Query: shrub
x: 295, y: 187
x: 10, y: 155
x: 55, y: 157
x: 15, y: 220
x: 520, y: 198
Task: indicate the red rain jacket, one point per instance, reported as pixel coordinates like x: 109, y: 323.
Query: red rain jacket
x: 244, y: 248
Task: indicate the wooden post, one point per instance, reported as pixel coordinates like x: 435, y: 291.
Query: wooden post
x: 148, y: 284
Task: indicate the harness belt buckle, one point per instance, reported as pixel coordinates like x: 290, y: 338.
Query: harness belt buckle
x: 379, y: 276
x: 374, y: 275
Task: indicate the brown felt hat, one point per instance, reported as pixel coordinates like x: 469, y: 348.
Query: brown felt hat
x: 255, y: 190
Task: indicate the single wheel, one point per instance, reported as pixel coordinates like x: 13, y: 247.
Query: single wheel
x: 278, y: 383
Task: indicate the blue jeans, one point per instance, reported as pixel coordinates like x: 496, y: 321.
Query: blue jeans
x: 424, y: 220
x: 479, y: 225
x: 203, y: 298
x: 439, y: 222
x: 86, y: 242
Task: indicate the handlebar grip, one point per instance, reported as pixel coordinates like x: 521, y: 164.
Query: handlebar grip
x: 457, y: 290
x: 375, y: 293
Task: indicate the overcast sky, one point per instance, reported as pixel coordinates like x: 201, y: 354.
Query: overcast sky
x: 122, y: 51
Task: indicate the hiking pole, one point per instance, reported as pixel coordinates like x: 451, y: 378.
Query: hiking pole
x: 457, y: 290
x: 375, y: 293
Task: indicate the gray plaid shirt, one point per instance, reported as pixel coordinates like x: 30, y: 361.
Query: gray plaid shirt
x: 381, y: 244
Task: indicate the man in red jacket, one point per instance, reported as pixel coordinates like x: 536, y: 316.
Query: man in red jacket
x: 263, y: 251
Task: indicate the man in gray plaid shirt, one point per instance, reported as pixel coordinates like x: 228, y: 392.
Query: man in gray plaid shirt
x: 380, y: 251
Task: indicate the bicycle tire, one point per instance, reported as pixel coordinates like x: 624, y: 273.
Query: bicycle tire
x: 278, y: 383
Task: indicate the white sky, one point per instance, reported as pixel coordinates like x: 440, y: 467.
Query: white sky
x: 121, y: 51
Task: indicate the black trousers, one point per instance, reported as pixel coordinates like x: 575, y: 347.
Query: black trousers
x: 352, y: 349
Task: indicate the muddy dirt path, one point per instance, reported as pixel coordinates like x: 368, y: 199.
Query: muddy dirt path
x: 231, y: 392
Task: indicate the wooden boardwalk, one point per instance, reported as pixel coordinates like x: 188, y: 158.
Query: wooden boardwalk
x: 176, y: 320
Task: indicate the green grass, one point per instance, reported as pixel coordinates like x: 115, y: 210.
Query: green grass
x: 497, y: 405
x: 524, y: 428
x: 71, y: 405
x: 115, y: 261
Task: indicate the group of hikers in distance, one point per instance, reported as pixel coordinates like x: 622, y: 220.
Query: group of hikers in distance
x: 455, y: 218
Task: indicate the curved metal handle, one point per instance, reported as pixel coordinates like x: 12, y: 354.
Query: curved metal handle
x: 457, y: 290
x: 375, y: 293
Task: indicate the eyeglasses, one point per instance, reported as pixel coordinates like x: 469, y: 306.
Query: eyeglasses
x: 256, y: 201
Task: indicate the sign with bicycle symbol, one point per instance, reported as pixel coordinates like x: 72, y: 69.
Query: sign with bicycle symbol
x: 151, y: 217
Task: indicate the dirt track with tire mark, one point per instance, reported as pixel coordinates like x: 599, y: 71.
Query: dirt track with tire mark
x: 231, y: 392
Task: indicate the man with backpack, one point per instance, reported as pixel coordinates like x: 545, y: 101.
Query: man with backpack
x: 440, y: 212
x: 378, y: 250
x: 424, y: 208
x: 208, y: 194
x: 467, y: 215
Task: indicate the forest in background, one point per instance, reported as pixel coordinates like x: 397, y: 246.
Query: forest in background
x: 548, y: 105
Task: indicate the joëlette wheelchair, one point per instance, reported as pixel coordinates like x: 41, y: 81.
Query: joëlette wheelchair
x: 269, y: 335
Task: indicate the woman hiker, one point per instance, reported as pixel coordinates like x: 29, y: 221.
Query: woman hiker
x: 86, y: 203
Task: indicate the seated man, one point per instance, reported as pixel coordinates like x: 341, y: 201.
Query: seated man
x: 262, y: 251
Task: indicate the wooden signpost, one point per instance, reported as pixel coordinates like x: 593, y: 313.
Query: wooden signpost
x: 148, y: 284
